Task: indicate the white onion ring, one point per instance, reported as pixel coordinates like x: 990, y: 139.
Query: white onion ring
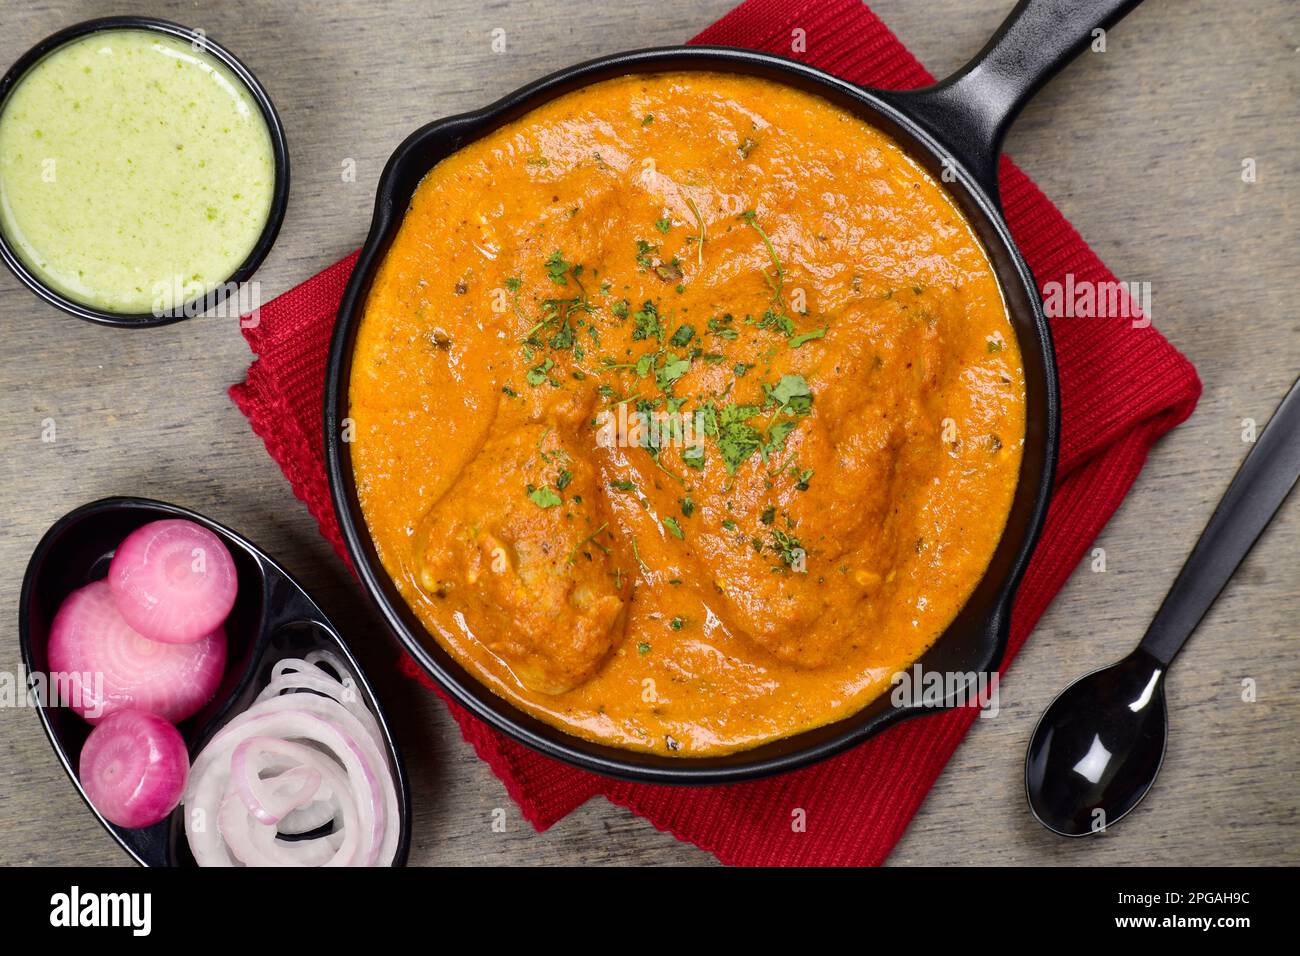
x: 270, y: 799
x: 255, y: 845
x: 322, y: 686
x: 312, y: 816
x: 305, y: 755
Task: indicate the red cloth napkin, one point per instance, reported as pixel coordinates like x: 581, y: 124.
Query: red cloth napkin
x: 1121, y: 388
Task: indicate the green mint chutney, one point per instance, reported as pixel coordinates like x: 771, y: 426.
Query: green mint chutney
x: 135, y: 171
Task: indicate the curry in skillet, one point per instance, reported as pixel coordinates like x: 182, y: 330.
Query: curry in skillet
x: 686, y: 411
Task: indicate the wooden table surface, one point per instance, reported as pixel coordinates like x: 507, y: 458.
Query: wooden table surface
x: 1142, y: 147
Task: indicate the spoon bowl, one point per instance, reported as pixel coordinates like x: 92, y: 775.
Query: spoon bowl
x: 1098, y: 747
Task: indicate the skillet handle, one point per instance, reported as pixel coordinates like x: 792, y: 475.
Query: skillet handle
x: 971, y: 111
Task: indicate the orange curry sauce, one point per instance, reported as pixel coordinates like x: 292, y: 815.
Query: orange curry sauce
x: 814, y: 345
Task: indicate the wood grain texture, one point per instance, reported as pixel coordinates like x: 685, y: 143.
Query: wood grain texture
x: 1140, y: 146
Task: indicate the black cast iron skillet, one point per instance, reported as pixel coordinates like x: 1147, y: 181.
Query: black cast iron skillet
x: 957, y: 125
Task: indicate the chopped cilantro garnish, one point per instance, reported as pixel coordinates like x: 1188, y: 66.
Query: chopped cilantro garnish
x: 674, y: 528
x: 682, y: 337
x: 737, y: 439
x: 799, y: 340
x: 537, y: 374
x: 721, y: 327
x: 788, y: 548
x: 636, y: 553
x: 543, y: 497
x: 776, y: 436
x: 647, y: 323
x: 564, y: 337
x: 556, y: 267
x: 792, y: 394
x: 776, y: 321
x: 777, y: 284
x: 589, y: 539
x: 672, y: 369
x: 645, y: 252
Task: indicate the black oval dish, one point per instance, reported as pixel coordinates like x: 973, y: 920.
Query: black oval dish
x: 955, y: 130
x: 273, y: 618
x: 279, y: 147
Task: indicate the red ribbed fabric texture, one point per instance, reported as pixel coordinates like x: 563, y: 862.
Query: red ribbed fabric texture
x: 1121, y: 388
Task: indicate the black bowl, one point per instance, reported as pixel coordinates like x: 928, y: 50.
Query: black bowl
x: 273, y: 618
x: 279, y: 197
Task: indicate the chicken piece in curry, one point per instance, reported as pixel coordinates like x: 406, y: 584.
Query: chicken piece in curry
x: 686, y: 411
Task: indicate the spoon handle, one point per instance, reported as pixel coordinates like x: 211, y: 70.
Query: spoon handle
x: 1261, y: 485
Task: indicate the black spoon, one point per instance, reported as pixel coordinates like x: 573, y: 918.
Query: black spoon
x: 1098, y: 747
